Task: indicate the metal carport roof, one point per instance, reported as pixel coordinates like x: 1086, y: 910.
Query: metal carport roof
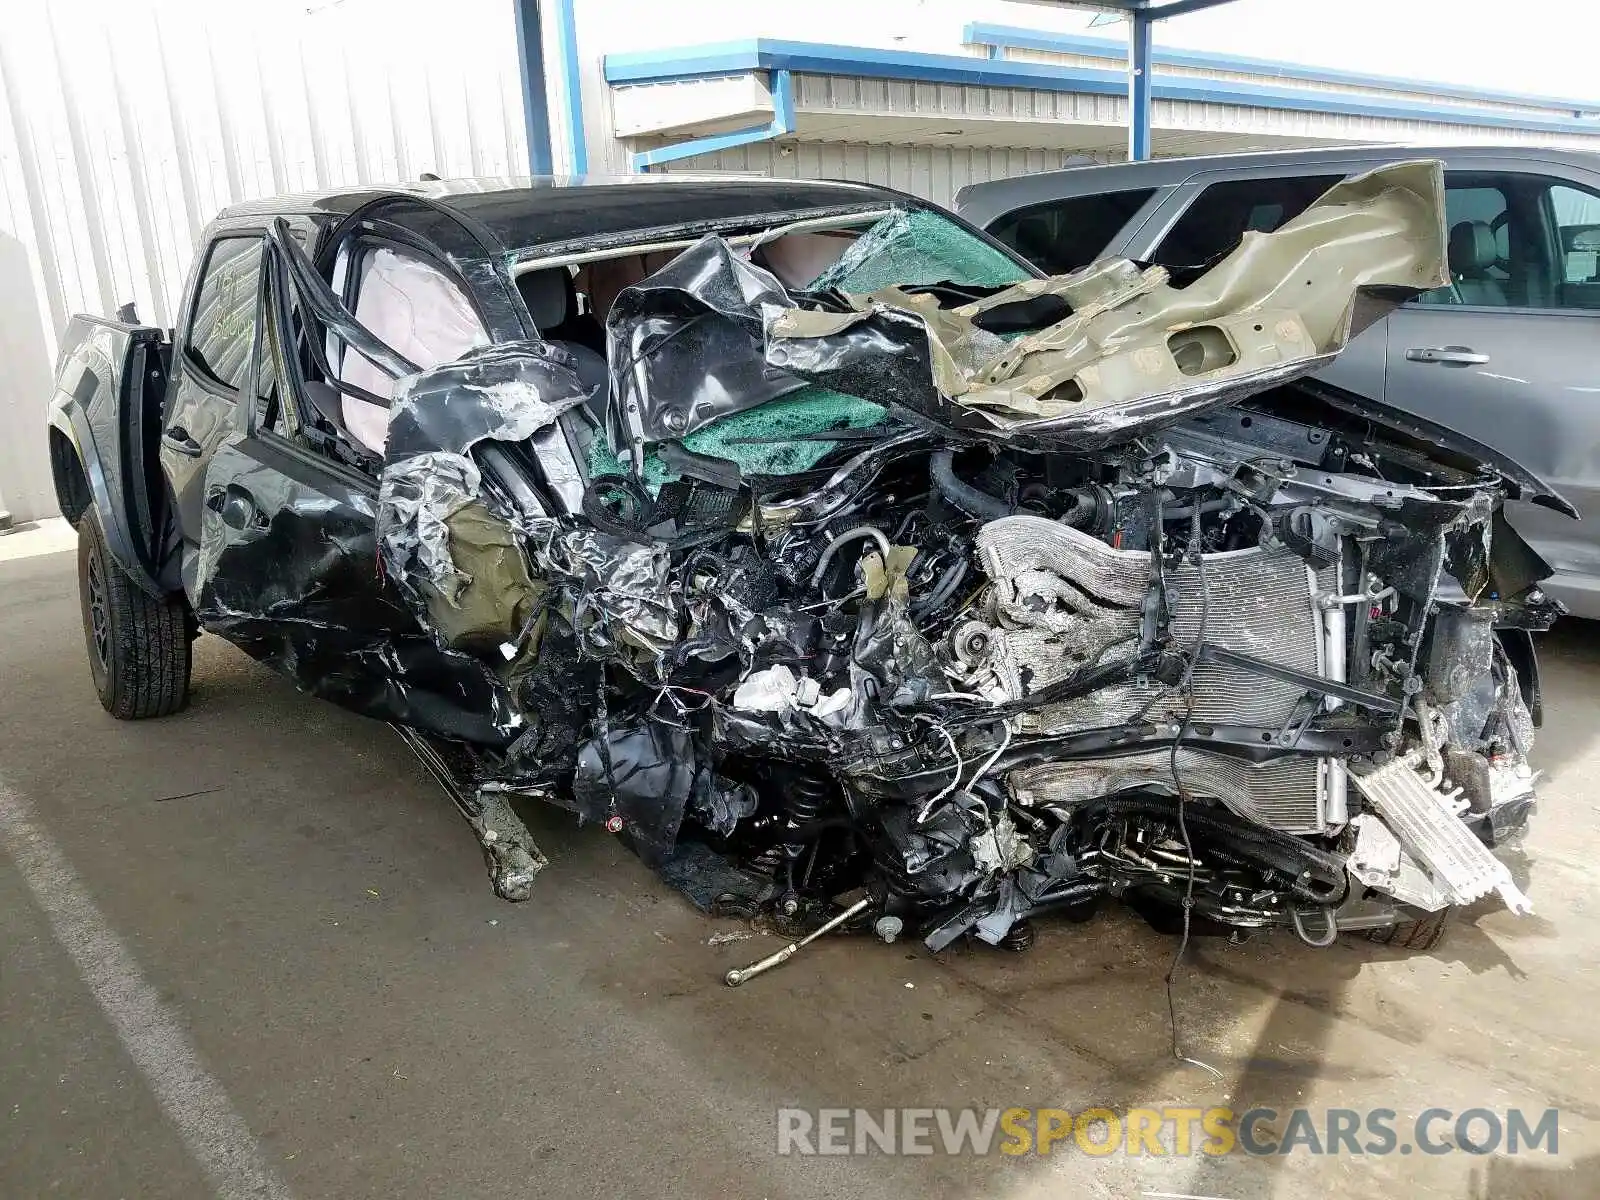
x: 1142, y: 16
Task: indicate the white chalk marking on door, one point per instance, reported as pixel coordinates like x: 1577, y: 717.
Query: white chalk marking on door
x: 149, y: 1030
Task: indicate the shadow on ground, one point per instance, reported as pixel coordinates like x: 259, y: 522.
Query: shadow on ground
x: 286, y: 873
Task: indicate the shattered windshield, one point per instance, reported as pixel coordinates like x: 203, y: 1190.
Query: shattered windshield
x: 919, y: 247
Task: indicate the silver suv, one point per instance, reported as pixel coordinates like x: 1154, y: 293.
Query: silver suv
x: 1508, y: 352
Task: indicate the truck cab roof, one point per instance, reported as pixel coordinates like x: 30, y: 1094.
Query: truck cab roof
x: 519, y: 213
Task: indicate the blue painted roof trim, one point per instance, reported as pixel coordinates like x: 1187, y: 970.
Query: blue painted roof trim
x: 981, y: 33
x: 811, y: 58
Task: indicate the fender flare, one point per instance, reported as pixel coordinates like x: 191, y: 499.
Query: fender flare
x: 71, y: 424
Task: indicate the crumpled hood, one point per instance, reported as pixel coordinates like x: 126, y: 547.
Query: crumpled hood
x: 1077, y: 361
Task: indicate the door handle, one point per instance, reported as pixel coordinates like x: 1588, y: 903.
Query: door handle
x: 178, y: 438
x: 1448, y: 356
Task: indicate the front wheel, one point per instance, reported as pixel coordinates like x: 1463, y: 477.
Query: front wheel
x: 138, y: 645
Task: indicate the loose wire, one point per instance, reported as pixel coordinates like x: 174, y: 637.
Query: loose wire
x: 955, y: 780
x: 1183, y: 793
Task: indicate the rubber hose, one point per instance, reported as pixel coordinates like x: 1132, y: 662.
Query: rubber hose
x: 973, y: 501
x: 850, y: 535
x: 1082, y: 513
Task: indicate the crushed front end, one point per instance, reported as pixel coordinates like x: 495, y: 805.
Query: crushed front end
x: 979, y: 599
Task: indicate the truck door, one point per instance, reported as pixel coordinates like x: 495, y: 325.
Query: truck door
x: 288, y: 566
x: 1506, y: 352
x: 210, y: 364
x: 109, y: 387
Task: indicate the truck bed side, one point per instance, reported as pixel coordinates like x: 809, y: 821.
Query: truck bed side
x: 105, y: 430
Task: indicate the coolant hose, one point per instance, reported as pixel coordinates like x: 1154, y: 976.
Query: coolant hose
x: 973, y: 501
x: 850, y: 535
x: 976, y: 502
x: 1085, y: 508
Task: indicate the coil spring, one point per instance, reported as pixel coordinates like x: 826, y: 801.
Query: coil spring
x: 1019, y: 937
x: 804, y: 797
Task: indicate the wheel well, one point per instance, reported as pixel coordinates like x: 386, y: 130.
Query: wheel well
x: 72, y: 485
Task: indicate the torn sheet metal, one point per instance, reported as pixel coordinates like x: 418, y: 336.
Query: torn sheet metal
x: 290, y: 574
x: 506, y: 393
x: 1136, y: 352
x: 618, y: 592
x: 685, y: 347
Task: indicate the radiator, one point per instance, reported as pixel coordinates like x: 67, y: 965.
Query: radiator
x: 1063, y: 599
x: 1282, y: 793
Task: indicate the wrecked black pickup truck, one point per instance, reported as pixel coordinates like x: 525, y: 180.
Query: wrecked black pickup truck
x: 807, y: 540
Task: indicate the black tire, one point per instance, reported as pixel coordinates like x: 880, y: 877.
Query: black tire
x: 1414, y: 935
x: 138, y: 645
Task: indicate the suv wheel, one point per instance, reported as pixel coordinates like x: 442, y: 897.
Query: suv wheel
x: 138, y: 645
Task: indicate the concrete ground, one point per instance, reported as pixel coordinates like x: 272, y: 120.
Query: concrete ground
x: 254, y: 940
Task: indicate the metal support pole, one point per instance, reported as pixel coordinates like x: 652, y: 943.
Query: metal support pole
x: 1139, y: 26
x: 535, y: 103
x: 566, y: 18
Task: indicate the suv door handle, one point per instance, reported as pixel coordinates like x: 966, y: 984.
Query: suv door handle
x: 178, y: 438
x: 1449, y: 356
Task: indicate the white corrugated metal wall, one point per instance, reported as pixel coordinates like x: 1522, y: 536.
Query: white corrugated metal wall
x: 126, y: 125
x: 936, y: 172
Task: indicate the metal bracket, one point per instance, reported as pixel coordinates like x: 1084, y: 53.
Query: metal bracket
x: 1370, y: 701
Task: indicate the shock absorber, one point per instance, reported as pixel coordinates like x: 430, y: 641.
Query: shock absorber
x: 804, y: 797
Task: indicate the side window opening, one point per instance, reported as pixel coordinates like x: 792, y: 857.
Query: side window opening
x: 1064, y: 235
x: 417, y: 310
x: 221, y: 332
x: 1575, y: 215
x: 309, y: 330
x: 1520, y: 241
x: 1224, y: 212
x: 1477, y: 223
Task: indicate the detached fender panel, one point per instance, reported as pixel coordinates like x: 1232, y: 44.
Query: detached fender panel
x: 109, y: 383
x: 69, y: 421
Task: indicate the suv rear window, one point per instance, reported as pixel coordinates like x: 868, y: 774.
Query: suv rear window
x: 222, y: 329
x: 1063, y: 235
x: 1224, y: 212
